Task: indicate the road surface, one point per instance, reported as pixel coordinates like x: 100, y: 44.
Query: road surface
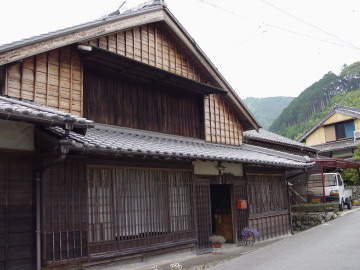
x: 332, y: 245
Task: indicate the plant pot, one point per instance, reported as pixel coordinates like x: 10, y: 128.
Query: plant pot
x: 250, y: 237
x: 217, y: 245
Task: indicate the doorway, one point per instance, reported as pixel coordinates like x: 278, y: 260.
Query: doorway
x: 221, y: 211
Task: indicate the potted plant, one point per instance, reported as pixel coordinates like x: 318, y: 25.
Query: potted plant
x: 249, y: 233
x: 217, y: 240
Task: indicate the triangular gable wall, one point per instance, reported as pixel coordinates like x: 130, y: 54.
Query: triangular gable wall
x: 151, y: 45
x: 337, y: 117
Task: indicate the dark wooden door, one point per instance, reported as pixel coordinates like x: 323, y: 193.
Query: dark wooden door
x: 203, y: 216
x: 241, y: 216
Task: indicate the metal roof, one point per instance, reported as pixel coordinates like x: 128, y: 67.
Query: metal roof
x: 24, y: 110
x: 123, y: 141
x: 346, y: 110
x: 265, y: 135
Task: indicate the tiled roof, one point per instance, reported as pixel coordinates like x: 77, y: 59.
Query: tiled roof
x: 350, y: 111
x: 338, y: 145
x: 118, y: 141
x: 266, y: 135
x: 16, y: 109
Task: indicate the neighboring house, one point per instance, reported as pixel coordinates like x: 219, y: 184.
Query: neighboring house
x: 119, y: 139
x: 334, y: 134
x: 268, y: 139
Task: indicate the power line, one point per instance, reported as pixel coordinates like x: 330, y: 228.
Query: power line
x: 310, y: 24
x: 349, y: 45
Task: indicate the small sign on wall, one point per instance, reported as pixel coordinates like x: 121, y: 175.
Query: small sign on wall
x: 241, y: 204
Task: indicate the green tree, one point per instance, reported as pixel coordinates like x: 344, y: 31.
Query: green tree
x: 351, y: 177
x: 356, y: 156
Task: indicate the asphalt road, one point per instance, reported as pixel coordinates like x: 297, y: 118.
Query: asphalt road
x: 333, y: 245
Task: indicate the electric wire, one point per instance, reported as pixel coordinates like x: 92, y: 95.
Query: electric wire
x: 310, y: 24
x: 343, y: 44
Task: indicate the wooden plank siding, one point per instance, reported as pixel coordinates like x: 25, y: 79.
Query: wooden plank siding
x: 53, y: 78
x: 152, y: 45
x: 268, y: 204
x: 221, y: 124
x: 17, y: 213
x: 116, y: 101
x: 64, y: 213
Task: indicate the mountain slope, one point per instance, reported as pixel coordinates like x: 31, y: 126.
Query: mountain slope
x: 303, y: 110
x: 266, y: 110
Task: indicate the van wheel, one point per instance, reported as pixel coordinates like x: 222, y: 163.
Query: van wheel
x: 349, y: 204
x: 341, y: 206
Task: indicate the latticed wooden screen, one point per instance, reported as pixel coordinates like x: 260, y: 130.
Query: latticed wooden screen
x: 64, y: 220
x: 268, y: 205
x: 203, y: 210
x: 266, y: 192
x: 242, y: 215
x: 130, y: 208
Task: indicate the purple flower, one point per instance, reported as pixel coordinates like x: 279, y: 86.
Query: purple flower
x: 246, y: 232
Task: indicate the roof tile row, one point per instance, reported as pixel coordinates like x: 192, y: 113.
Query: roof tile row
x: 127, y: 141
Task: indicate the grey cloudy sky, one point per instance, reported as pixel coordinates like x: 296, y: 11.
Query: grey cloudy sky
x: 263, y: 48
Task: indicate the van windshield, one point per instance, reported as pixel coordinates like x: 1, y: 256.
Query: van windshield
x: 330, y: 180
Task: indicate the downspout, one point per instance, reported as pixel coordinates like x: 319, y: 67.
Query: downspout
x: 63, y: 150
x: 38, y: 224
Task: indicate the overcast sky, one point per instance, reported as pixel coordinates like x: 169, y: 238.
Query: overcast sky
x: 263, y: 48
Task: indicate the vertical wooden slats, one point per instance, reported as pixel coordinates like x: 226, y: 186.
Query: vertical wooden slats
x: 241, y: 215
x: 64, y: 213
x: 143, y: 204
x: 16, y: 212
x: 203, y: 217
x: 221, y: 124
x: 121, y: 102
x: 151, y: 45
x: 268, y: 205
x: 53, y: 78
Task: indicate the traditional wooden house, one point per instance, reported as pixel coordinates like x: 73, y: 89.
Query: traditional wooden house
x: 268, y: 139
x: 336, y: 134
x: 160, y: 166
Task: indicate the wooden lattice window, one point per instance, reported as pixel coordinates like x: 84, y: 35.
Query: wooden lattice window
x: 64, y: 213
x: 131, y: 204
x: 266, y: 193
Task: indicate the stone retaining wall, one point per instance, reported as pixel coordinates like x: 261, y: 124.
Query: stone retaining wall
x: 304, y: 221
x: 356, y: 193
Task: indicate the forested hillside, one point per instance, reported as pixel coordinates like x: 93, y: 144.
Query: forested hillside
x: 266, y: 110
x: 315, y: 101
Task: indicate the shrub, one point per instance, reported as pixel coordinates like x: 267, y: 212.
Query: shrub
x: 318, y: 207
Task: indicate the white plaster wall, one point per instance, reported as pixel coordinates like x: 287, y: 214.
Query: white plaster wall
x: 16, y: 136
x: 206, y: 167
x: 212, y: 168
